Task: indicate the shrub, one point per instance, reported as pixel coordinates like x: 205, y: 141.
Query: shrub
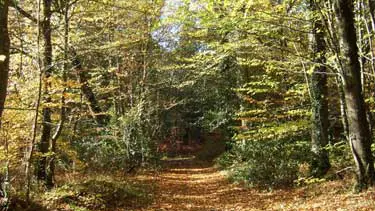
x: 266, y: 163
x: 96, y: 194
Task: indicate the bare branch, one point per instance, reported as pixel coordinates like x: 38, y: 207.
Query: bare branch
x: 23, y: 12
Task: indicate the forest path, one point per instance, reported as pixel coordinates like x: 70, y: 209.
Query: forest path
x: 188, y: 184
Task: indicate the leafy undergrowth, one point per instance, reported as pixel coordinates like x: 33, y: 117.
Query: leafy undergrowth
x: 187, y: 184
x: 98, y: 194
x: 93, y: 193
x: 17, y: 203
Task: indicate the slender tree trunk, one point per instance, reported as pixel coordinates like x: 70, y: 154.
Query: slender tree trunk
x: 4, y: 70
x: 359, y: 133
x: 46, y: 112
x: 319, y: 135
x: 361, y: 43
x: 60, y: 126
x: 30, y: 151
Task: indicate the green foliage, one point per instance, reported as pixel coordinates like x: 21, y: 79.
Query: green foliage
x: 248, y: 67
x: 208, y: 64
x: 265, y: 163
x: 125, y: 143
x: 340, y: 155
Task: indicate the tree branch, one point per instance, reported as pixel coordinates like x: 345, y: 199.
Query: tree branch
x: 23, y: 12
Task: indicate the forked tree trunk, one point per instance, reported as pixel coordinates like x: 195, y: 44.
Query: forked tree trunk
x: 359, y: 133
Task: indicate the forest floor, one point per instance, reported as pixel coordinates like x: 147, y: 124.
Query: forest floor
x: 188, y: 184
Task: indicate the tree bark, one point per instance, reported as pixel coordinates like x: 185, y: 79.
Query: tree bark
x: 4, y: 53
x: 371, y: 5
x: 319, y: 135
x: 46, y: 112
x: 63, y: 112
x: 343, y: 108
x: 359, y: 133
x: 4, y: 73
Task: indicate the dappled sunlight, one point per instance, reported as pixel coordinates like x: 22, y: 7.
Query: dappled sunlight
x: 194, y: 186
x: 198, y: 170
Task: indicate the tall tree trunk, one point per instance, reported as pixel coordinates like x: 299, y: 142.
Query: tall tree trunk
x: 4, y: 53
x: 319, y: 135
x: 47, y: 68
x: 63, y: 111
x: 4, y: 70
x: 359, y: 133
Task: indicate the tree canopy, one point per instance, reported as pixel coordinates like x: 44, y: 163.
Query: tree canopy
x: 277, y: 93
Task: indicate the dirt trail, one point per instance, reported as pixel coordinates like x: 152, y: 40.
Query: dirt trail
x: 191, y: 185
x: 187, y: 184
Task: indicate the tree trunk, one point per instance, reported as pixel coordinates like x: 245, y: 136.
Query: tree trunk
x: 343, y: 108
x: 4, y: 53
x: 63, y: 111
x: 46, y: 112
x: 371, y: 5
x: 319, y: 135
x: 359, y: 133
x: 4, y: 70
x: 94, y: 106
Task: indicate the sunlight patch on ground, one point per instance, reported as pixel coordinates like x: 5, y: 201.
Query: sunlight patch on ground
x: 190, y: 186
x: 178, y: 158
x: 199, y: 170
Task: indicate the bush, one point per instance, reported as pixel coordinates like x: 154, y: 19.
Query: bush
x: 126, y: 141
x: 340, y: 154
x: 265, y: 164
x: 97, y: 194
